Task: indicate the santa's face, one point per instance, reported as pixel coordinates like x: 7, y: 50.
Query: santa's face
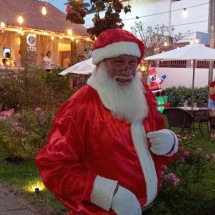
x: 122, y: 69
x: 126, y: 101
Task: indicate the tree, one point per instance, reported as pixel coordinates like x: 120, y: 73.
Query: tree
x: 76, y: 11
x: 157, y: 39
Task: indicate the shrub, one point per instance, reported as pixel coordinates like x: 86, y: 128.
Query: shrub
x: 30, y: 88
x: 185, y: 183
x: 178, y: 95
x: 23, y: 134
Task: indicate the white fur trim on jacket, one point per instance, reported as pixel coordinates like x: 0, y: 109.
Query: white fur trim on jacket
x: 175, y: 148
x: 103, y: 191
x: 140, y: 143
x: 114, y: 50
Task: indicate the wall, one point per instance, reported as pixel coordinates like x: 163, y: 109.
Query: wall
x: 183, y: 77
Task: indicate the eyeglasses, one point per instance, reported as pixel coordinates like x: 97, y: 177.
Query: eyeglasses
x: 121, y: 66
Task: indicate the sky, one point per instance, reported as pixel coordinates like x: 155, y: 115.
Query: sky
x: 60, y: 4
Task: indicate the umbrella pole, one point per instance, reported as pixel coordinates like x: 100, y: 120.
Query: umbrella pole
x: 194, y: 67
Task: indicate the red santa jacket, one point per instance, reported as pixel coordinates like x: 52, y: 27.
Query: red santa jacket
x: 86, y: 141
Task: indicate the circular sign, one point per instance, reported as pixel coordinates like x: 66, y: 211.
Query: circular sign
x: 31, y: 39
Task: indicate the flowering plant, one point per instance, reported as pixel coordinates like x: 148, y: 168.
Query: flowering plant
x: 77, y: 10
x: 23, y: 134
x: 186, y: 185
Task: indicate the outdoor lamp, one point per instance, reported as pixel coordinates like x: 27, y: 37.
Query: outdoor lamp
x: 44, y: 11
x: 185, y: 13
x: 20, y: 20
x: 37, y: 190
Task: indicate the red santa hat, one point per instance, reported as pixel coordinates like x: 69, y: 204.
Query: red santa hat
x: 152, y: 72
x: 115, y: 42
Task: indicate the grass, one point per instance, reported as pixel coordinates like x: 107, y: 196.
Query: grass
x: 21, y: 177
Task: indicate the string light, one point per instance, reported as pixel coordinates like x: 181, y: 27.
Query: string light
x: 2, y: 24
x: 20, y: 20
x: 185, y: 13
x: 69, y: 32
x: 44, y: 11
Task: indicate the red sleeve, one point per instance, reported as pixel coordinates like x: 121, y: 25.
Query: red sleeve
x: 59, y: 163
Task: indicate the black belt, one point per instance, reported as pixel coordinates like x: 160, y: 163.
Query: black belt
x: 147, y: 210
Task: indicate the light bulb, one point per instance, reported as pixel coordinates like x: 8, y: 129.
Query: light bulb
x: 69, y: 32
x: 185, y: 13
x: 2, y: 24
x: 20, y: 20
x: 44, y: 11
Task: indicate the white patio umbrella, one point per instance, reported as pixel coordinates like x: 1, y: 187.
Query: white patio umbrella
x: 189, y: 52
x: 84, y: 67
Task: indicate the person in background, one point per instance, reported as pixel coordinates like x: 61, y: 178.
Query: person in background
x: 211, y: 100
x: 108, y: 143
x: 47, y: 62
x: 66, y: 62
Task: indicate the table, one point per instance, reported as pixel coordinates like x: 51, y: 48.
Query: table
x: 200, y: 115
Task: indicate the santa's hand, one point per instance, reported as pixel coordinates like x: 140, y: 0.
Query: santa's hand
x: 162, y: 141
x: 125, y: 202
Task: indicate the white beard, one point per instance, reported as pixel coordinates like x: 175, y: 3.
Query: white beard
x: 125, y: 102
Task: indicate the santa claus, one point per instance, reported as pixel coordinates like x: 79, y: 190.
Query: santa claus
x: 155, y: 81
x: 108, y: 144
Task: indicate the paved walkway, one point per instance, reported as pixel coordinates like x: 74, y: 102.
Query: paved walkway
x: 13, y: 205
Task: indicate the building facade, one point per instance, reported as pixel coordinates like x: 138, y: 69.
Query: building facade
x: 24, y: 28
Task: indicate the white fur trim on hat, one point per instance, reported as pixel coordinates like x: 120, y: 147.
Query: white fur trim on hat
x: 114, y: 50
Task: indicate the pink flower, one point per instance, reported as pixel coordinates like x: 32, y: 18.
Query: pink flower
x: 213, y: 155
x: 164, y: 167
x: 186, y: 153
x: 176, y: 182
x: 199, y: 150
x: 207, y: 157
x: 38, y: 109
x: 15, y: 124
x: 18, y: 115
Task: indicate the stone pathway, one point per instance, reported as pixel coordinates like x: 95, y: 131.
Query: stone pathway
x: 13, y: 205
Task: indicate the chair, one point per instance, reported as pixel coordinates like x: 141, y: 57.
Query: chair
x: 201, y: 116
x: 179, y: 118
x: 211, y: 126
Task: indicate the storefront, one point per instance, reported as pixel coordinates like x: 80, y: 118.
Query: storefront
x: 34, y: 33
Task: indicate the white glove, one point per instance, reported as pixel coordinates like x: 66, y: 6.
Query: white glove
x: 162, y: 141
x: 125, y: 202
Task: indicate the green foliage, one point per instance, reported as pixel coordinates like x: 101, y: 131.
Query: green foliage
x: 177, y: 95
x: 31, y: 99
x: 186, y: 188
x: 28, y: 89
x: 23, y: 133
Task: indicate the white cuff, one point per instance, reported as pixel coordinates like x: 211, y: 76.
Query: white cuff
x: 102, y: 192
x: 175, y: 147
